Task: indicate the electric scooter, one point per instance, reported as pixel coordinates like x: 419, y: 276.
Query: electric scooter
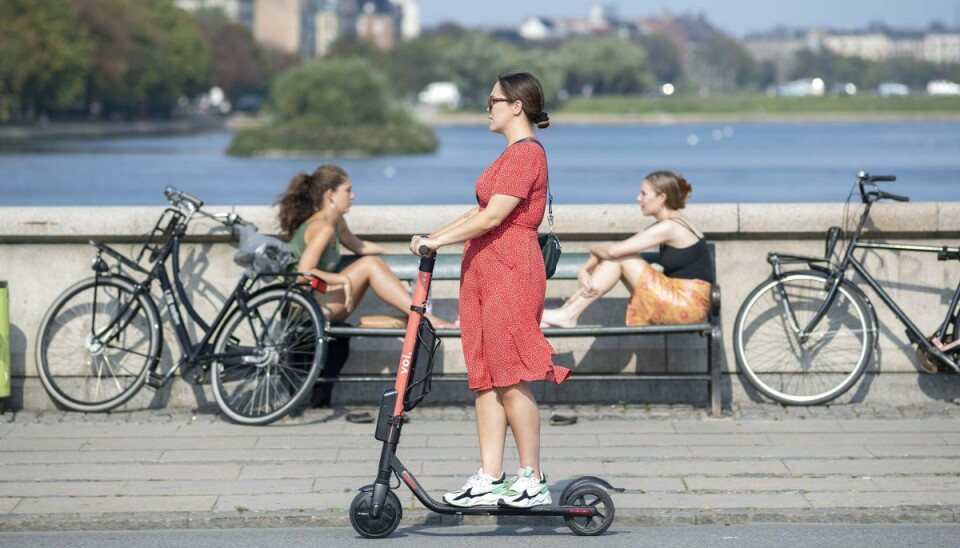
x: 375, y: 512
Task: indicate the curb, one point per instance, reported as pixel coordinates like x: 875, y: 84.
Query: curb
x: 421, y: 517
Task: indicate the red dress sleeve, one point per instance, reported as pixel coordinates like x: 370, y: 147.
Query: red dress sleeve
x: 518, y: 171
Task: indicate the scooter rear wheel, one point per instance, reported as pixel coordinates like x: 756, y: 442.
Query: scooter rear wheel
x: 593, y: 495
x: 370, y: 527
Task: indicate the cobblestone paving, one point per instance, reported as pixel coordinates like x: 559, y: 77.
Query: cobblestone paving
x: 741, y: 412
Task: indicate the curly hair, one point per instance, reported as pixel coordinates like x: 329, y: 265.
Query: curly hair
x: 304, y: 196
x: 674, y: 186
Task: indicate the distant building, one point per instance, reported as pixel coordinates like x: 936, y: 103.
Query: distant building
x: 308, y: 27
x: 876, y: 44
x: 603, y: 16
x: 942, y: 48
x: 240, y: 11
x: 277, y: 24
x: 539, y: 28
x: 780, y: 51
x: 326, y: 31
x: 379, y: 28
x: 410, y: 26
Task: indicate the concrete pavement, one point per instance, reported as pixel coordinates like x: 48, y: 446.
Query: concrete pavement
x: 183, y: 469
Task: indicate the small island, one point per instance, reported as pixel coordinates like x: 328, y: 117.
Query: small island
x: 336, y: 107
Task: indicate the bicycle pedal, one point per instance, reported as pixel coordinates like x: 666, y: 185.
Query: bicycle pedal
x: 155, y: 381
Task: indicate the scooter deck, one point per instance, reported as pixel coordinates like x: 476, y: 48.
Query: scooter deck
x: 490, y: 510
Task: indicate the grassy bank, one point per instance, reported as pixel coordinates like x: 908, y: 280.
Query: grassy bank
x: 753, y: 104
x: 310, y: 136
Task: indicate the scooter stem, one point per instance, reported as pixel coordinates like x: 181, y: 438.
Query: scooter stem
x: 418, y: 307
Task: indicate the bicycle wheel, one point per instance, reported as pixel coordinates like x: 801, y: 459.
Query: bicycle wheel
x: 269, y: 358
x: 803, y: 372
x: 97, y: 343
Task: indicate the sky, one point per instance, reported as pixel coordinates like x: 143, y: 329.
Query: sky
x: 737, y: 17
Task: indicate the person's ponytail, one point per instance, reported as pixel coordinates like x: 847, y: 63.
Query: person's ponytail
x: 295, y: 205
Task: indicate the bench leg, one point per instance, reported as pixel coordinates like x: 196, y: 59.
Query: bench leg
x: 714, y: 362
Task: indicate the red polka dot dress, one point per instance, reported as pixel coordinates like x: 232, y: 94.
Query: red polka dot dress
x: 503, y: 282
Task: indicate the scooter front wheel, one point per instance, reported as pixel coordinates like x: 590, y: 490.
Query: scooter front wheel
x: 593, y: 495
x: 370, y: 527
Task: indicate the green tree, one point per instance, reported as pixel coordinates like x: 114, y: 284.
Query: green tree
x: 148, y: 54
x: 548, y: 66
x: 723, y: 63
x: 473, y: 63
x: 235, y: 66
x: 45, y: 56
x: 663, y: 56
x: 338, y: 91
x: 412, y: 64
x: 829, y: 66
x: 350, y: 45
x: 335, y: 106
x: 609, y: 65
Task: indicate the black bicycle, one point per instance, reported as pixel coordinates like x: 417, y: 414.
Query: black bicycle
x: 101, y: 340
x: 804, y: 337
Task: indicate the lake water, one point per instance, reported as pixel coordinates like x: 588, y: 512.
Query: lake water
x: 589, y: 164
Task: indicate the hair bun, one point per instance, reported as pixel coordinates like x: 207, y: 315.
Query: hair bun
x: 685, y: 188
x: 542, y: 120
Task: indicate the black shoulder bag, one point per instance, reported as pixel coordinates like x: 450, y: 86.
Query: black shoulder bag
x: 549, y: 243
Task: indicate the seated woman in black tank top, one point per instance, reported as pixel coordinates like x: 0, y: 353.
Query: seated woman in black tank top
x: 678, y: 295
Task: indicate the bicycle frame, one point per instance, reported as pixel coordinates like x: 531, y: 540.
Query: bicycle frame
x: 176, y: 300
x: 837, y: 275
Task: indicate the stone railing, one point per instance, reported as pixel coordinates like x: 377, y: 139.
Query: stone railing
x: 45, y: 250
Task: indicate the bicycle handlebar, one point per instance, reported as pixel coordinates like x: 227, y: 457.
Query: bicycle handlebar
x: 228, y: 219
x: 866, y: 196
x: 177, y: 197
x: 886, y: 195
x: 867, y: 179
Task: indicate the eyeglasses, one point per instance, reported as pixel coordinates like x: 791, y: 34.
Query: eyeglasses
x: 492, y: 100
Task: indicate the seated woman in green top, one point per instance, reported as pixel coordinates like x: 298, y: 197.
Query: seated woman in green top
x: 311, y: 217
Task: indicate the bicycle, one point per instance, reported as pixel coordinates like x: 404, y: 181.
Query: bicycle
x: 804, y: 337
x: 101, y: 340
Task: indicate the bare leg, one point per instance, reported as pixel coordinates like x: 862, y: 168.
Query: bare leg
x: 604, y: 277
x: 523, y: 415
x: 370, y: 271
x: 492, y: 431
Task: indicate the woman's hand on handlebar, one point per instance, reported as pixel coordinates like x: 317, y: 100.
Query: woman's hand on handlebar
x: 421, y: 245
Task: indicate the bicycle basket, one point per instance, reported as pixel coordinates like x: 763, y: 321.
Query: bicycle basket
x: 421, y: 369
x: 161, y: 234
x: 260, y: 254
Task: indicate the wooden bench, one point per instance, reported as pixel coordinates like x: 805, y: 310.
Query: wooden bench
x: 448, y: 268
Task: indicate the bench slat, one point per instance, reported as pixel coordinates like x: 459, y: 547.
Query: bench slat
x: 447, y: 267
x: 586, y: 331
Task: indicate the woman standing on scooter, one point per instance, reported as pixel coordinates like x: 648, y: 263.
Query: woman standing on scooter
x: 502, y: 287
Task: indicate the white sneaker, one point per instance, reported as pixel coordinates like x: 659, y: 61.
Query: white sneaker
x: 480, y: 489
x: 527, y: 490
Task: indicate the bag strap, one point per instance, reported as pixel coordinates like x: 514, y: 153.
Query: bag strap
x: 549, y: 194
